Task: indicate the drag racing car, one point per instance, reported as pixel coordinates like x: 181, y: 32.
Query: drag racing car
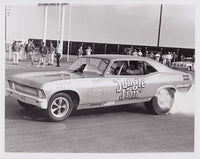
x: 186, y: 63
x: 100, y: 80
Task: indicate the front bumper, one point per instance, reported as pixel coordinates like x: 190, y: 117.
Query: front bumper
x: 29, y: 99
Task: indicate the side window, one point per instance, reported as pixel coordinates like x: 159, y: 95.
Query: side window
x: 135, y: 68
x: 131, y: 68
x: 127, y: 68
x: 148, y: 68
x: 118, y: 67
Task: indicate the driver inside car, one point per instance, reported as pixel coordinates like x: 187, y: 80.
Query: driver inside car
x: 134, y: 69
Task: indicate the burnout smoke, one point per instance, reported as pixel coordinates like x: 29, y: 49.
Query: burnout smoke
x: 184, y: 102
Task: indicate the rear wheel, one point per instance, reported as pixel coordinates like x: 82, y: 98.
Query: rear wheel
x: 60, y: 106
x: 25, y: 105
x: 162, y: 102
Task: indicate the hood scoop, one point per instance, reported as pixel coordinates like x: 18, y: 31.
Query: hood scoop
x: 62, y: 76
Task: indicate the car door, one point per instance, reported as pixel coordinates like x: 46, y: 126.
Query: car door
x: 130, y: 87
x: 118, y: 88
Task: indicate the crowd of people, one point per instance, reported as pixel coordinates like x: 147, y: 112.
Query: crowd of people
x: 45, y: 55
x: 40, y: 57
x: 166, y: 58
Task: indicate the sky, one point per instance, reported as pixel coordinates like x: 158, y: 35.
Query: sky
x: 135, y: 24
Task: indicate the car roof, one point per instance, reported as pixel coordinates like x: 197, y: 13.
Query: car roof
x: 116, y: 57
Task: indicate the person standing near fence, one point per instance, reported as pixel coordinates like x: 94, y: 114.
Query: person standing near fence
x: 164, y: 59
x: 140, y: 52
x: 135, y: 53
x: 157, y: 56
x: 43, y: 54
x: 51, y: 54
x: 29, y: 51
x: 169, y: 59
x: 15, y: 49
x: 58, y: 54
x: 80, y: 51
x: 88, y: 51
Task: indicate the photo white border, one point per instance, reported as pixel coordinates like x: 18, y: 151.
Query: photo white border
x: 195, y: 155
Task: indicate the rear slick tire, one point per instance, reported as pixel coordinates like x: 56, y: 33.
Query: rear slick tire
x: 162, y: 102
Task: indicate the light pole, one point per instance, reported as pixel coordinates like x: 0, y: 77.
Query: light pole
x: 69, y: 33
x: 7, y: 13
x: 159, y: 29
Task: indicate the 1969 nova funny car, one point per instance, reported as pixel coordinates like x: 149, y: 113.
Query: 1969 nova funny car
x: 100, y: 80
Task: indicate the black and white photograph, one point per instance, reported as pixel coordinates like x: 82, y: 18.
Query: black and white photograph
x: 85, y: 79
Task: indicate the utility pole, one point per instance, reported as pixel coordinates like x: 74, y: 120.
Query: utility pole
x: 69, y: 33
x: 45, y: 23
x: 159, y: 29
x: 62, y: 26
x: 7, y: 13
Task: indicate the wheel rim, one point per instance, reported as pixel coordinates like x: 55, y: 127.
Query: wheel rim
x: 59, y: 107
x: 164, y: 98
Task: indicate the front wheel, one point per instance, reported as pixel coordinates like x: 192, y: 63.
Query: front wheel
x: 162, y: 102
x: 60, y: 106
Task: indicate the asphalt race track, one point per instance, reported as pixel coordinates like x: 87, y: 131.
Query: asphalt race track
x: 111, y: 129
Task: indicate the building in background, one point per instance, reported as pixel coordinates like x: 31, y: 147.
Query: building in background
x: 106, y: 28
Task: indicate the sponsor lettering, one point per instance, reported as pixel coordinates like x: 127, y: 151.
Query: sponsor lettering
x: 129, y: 89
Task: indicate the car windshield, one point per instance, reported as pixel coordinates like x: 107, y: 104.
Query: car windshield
x: 89, y: 65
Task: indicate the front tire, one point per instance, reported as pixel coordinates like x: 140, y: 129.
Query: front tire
x: 162, y: 102
x: 60, y: 106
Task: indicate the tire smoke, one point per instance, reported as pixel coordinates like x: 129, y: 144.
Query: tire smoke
x: 184, y: 102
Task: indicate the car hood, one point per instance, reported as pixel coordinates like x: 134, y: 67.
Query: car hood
x: 36, y: 79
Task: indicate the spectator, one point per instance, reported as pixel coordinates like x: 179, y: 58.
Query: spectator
x: 10, y: 52
x: 174, y: 57
x: 88, y: 51
x: 140, y: 52
x: 43, y: 54
x: 58, y: 54
x: 80, y: 51
x: 169, y: 58
x: 161, y: 60
x: 193, y: 58
x: 164, y: 60
x: 152, y: 56
x: 125, y: 51
x: 182, y: 57
x: 51, y: 54
x: 15, y: 49
x: 146, y: 54
x: 157, y: 56
x: 29, y: 51
x: 135, y: 53
x: 20, y: 51
x: 129, y: 51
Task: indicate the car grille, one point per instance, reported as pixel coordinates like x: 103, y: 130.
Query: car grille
x: 25, y: 89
